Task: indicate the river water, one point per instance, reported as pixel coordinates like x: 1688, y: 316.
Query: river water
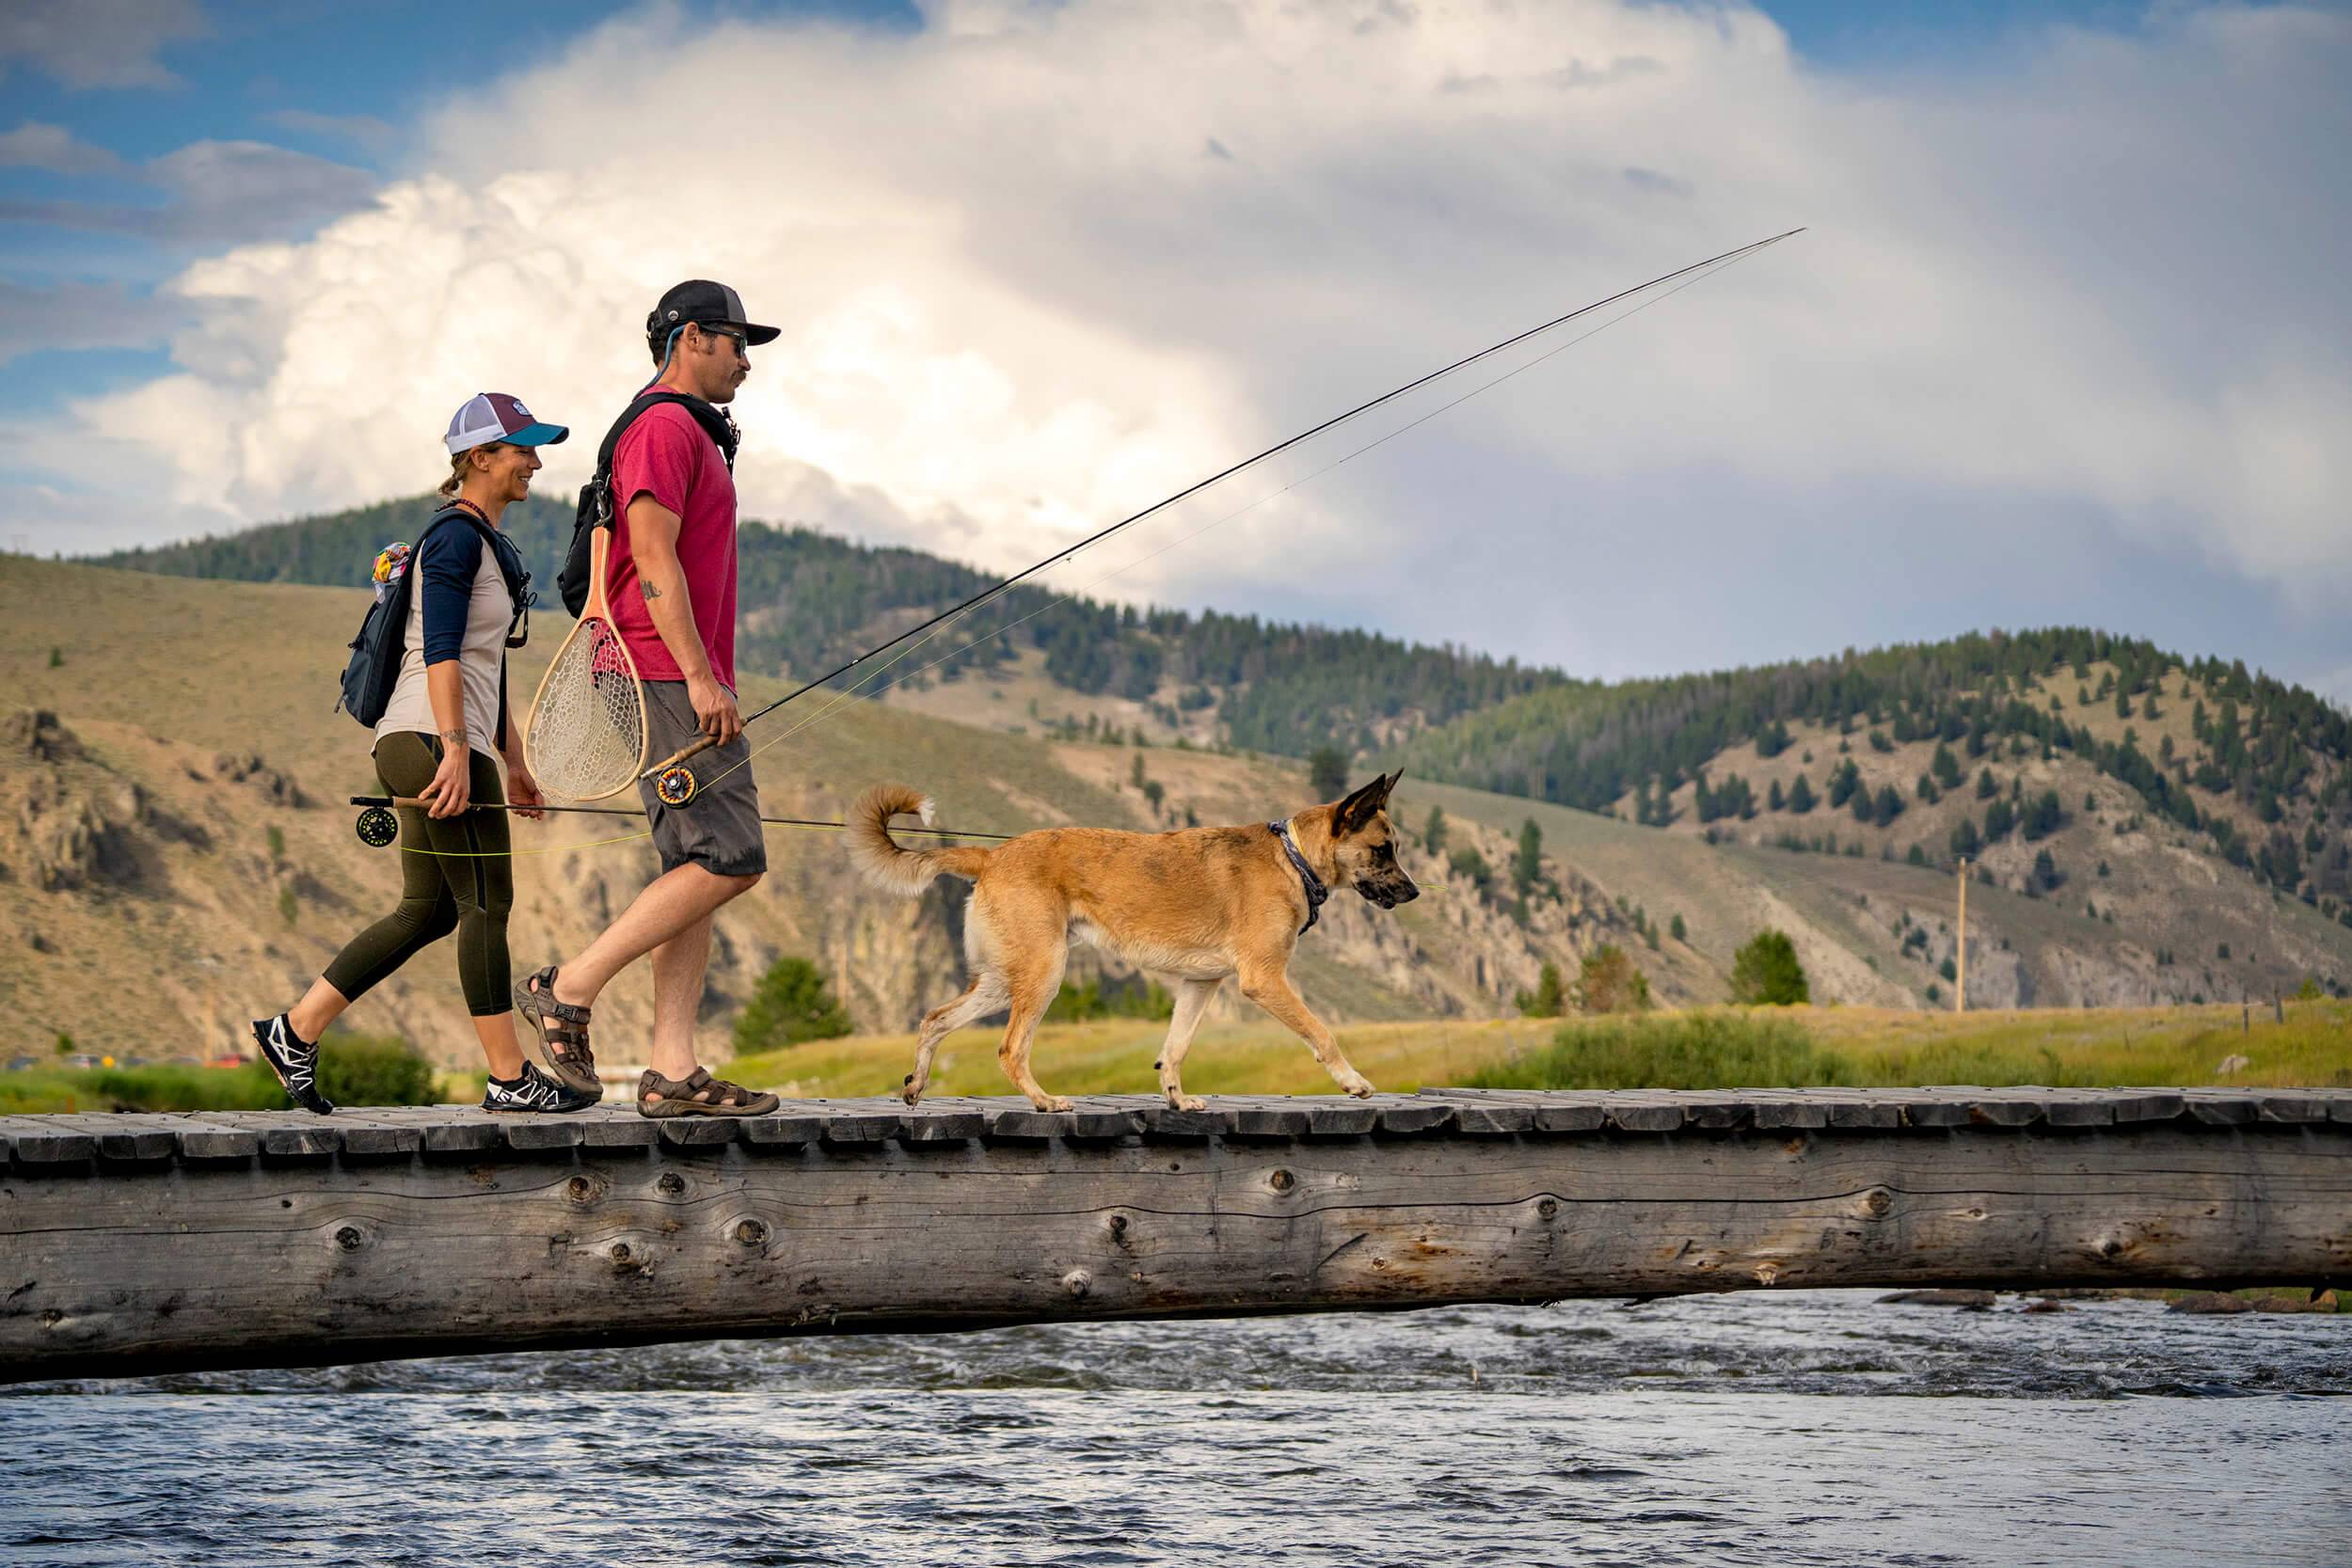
x: 1797, y: 1428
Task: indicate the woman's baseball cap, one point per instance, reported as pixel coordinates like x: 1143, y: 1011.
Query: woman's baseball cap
x: 488, y: 417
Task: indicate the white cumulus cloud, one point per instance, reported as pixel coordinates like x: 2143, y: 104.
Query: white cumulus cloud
x: 1037, y: 264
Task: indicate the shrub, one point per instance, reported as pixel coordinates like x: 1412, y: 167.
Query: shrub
x: 1550, y: 997
x: 790, y: 1003
x: 1434, y: 835
x: 1766, y: 972
x: 1607, y: 982
x: 1675, y: 928
x: 1692, y: 1051
x: 1136, y: 998
x: 371, y: 1069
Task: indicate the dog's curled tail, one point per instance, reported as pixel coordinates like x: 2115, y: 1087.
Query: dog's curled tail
x: 881, y: 857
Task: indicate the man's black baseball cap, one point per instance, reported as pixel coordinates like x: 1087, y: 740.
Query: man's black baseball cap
x: 698, y: 299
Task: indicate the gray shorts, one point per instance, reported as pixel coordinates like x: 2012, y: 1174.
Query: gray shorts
x: 719, y: 829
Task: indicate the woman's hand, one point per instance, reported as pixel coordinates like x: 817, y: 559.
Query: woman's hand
x: 451, y: 789
x: 522, y: 790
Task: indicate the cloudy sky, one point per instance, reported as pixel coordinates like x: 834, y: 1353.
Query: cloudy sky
x: 2067, y: 339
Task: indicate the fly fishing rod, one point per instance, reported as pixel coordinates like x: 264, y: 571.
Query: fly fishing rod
x: 676, y: 784
x: 377, y: 827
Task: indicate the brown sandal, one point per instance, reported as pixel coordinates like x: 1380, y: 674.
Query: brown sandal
x: 699, y: 1094
x: 562, y: 1032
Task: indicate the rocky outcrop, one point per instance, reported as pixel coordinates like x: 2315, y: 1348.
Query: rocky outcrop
x: 75, y: 817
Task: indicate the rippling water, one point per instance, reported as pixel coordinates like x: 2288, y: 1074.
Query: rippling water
x: 1743, y: 1428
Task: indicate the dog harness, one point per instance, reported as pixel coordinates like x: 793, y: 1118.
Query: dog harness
x: 1316, y: 892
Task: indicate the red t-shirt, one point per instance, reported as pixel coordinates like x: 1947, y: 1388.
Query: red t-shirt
x: 666, y: 455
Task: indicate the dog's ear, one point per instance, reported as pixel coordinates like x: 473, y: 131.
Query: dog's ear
x: 1351, y: 814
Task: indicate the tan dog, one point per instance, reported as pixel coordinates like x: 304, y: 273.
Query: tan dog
x: 1197, y: 905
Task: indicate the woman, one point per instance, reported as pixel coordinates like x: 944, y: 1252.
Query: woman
x: 443, y: 731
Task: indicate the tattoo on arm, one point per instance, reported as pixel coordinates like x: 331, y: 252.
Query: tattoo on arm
x: 647, y: 589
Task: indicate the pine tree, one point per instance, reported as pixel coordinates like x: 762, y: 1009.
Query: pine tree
x: 1327, y: 772
x: 1801, y: 799
x: 1432, y: 835
x: 1766, y: 972
x: 1527, y: 864
x: 790, y: 1003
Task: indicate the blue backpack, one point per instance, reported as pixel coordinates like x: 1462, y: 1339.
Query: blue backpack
x: 373, y: 668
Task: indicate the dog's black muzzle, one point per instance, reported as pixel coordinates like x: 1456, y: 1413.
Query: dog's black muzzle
x: 1389, y: 892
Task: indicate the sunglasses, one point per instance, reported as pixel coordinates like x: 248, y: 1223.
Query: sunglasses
x: 742, y: 343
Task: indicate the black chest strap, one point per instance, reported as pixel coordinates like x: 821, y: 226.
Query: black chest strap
x: 1316, y: 892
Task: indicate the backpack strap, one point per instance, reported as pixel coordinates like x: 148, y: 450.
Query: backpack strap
x: 511, y: 571
x: 715, y: 422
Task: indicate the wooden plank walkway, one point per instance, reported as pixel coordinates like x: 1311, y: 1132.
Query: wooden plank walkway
x: 134, y: 1244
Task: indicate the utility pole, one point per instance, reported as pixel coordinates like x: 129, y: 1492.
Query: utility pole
x: 1960, y: 986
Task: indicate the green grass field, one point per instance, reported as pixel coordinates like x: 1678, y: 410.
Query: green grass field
x: 1709, y: 1048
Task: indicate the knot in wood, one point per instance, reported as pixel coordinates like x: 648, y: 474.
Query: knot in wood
x: 1548, y: 1208
x: 671, y: 1183
x: 1077, y: 1282
x: 349, y: 1239
x: 751, y: 1232
x: 619, y: 1253
x: 579, y: 1189
x: 1880, y: 1200
x: 1119, y: 1224
x: 1282, y: 1182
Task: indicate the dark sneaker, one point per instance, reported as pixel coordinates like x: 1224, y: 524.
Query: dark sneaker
x: 535, y: 1091
x: 294, y: 1060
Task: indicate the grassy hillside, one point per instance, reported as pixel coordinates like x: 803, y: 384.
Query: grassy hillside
x: 2242, y: 767
x: 180, y: 860
x: 811, y: 602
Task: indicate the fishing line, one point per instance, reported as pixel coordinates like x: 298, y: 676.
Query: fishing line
x: 856, y: 693
x: 664, y: 769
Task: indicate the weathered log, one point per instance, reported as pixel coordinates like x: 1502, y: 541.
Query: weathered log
x: 143, y: 1243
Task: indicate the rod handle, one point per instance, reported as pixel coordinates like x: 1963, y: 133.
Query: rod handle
x: 696, y: 749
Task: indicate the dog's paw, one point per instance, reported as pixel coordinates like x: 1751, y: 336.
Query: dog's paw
x: 1053, y: 1102
x: 1187, y: 1103
x: 1360, y: 1087
x: 912, y: 1092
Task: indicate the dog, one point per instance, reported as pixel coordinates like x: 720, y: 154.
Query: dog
x: 1198, y: 905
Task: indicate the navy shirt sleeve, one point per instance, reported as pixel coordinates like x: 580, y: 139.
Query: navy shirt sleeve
x: 451, y: 559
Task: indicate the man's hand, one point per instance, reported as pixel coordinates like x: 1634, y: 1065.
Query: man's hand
x: 714, y: 708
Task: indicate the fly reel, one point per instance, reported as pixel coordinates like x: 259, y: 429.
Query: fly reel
x: 675, y: 786
x: 377, y: 828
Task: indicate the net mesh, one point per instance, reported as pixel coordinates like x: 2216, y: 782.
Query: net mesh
x: 587, y: 735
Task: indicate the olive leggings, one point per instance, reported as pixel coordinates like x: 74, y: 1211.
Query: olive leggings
x: 465, y: 884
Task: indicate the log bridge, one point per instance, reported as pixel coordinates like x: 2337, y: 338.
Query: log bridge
x: 141, y: 1243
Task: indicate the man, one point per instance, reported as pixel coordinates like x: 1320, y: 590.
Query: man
x: 672, y: 588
